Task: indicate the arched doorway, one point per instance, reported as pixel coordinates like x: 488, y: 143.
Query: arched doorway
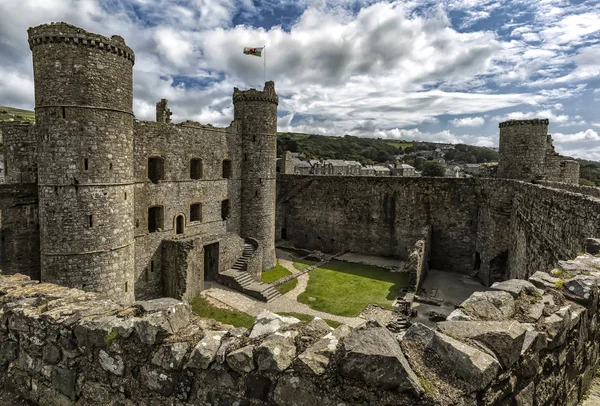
x: 179, y: 224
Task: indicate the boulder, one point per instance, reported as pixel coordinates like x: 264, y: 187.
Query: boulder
x: 555, y: 326
x: 475, y: 367
x: 241, y: 360
x: 534, y: 311
x: 504, y: 338
x: 592, y: 246
x: 267, y: 323
x: 581, y: 288
x: 525, y: 396
x: 157, y: 380
x: 160, y: 317
x: 492, y: 305
x: 170, y: 356
x: 543, y: 280
x: 276, y: 352
x: 316, y: 358
x: 516, y: 287
x: 206, y: 350
x: 372, y: 355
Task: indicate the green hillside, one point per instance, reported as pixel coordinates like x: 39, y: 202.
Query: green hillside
x: 12, y: 114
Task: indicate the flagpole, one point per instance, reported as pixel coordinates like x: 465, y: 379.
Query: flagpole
x: 265, y: 64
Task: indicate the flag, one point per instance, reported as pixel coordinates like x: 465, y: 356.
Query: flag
x: 253, y: 51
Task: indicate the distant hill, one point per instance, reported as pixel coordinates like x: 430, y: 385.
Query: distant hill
x: 372, y: 150
x: 12, y: 114
x: 364, y: 150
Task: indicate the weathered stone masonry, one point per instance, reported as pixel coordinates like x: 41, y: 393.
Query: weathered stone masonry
x: 504, y: 228
x: 115, y: 194
x: 523, y: 343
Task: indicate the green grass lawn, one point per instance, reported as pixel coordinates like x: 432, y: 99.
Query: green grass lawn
x: 16, y: 114
x: 274, y: 274
x: 400, y: 144
x: 308, y: 318
x: 345, y: 288
x: 302, y: 264
x: 287, y: 286
x: 204, y: 308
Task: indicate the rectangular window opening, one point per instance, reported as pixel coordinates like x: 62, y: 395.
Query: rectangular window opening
x: 196, y: 212
x: 86, y: 164
x: 63, y: 112
x: 225, y: 209
x: 125, y: 287
x: 151, y: 266
x: 196, y: 168
x: 155, y: 219
x: 156, y: 169
x: 227, y: 169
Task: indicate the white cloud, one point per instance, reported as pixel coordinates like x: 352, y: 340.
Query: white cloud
x: 468, y: 122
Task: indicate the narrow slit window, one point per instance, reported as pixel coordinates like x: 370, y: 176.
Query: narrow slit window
x: 63, y: 112
x: 151, y: 266
x: 86, y: 164
x: 196, y: 168
x: 196, y: 212
x: 125, y: 287
x: 225, y: 209
x: 91, y: 220
x: 125, y: 195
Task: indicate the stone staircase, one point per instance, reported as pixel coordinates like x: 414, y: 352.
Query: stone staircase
x: 240, y: 279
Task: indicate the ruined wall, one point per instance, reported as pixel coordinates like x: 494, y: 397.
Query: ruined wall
x: 19, y: 230
x: 177, y: 145
x: 524, y: 343
x: 547, y: 224
x: 20, y: 152
x: 183, y: 262
x: 381, y: 216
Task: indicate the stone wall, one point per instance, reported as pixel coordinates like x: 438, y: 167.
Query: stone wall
x: 380, y: 216
x: 547, y: 224
x: 524, y: 343
x: 20, y: 152
x: 19, y: 230
x: 418, y: 260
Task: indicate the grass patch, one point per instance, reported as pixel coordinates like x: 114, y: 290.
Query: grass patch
x: 287, y: 286
x: 302, y: 264
x: 560, y: 284
x: 274, y: 274
x: 344, y: 288
x: 12, y: 114
x: 308, y: 318
x: 204, y: 308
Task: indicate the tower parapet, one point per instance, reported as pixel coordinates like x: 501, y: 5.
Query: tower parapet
x: 84, y: 120
x: 257, y: 112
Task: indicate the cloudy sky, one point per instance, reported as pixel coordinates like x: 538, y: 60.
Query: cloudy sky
x: 445, y: 71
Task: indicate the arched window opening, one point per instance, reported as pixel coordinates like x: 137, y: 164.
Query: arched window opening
x: 179, y: 224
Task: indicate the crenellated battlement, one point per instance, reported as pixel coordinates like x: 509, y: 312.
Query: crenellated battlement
x: 56, y: 33
x: 266, y: 95
x: 519, y: 123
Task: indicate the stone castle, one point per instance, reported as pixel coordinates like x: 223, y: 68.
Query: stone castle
x: 105, y: 209
x: 100, y: 201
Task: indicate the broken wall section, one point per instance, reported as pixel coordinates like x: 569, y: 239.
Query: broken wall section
x: 419, y: 260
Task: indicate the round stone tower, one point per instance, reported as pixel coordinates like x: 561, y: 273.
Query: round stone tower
x: 523, y: 149
x: 257, y: 112
x: 84, y: 121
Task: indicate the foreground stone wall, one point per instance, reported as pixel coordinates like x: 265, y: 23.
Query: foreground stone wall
x: 523, y: 343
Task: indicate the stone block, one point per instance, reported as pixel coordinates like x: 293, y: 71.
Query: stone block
x: 504, y: 338
x: 157, y: 380
x: 581, y: 288
x: 516, y: 287
x: 592, y: 246
x: 267, y: 323
x: 475, y: 367
x: 170, y: 356
x: 63, y: 380
x: 205, y: 351
x: 276, y: 352
x: 297, y: 390
x: 372, y: 355
x: 543, y: 280
x: 492, y: 305
x: 241, y: 360
x: 111, y: 363
x: 316, y: 357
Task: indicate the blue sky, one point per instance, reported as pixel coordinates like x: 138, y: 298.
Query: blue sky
x: 446, y: 71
